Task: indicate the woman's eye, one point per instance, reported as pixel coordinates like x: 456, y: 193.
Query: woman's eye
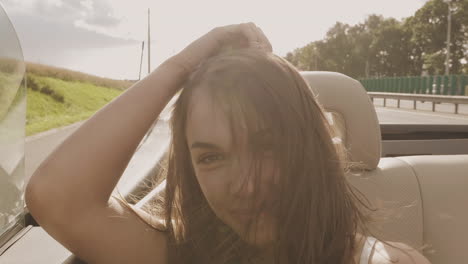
x: 210, y: 158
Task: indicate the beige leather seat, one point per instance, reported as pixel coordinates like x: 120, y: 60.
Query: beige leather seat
x: 426, y: 196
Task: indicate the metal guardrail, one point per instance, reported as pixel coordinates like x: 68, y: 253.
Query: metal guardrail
x: 435, y: 99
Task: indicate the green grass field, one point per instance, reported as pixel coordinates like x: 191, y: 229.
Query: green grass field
x: 46, y: 109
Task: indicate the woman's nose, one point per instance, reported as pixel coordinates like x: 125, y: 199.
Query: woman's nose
x: 243, y: 182
x: 249, y: 177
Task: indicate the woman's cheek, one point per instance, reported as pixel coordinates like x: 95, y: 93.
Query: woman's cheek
x: 214, y: 185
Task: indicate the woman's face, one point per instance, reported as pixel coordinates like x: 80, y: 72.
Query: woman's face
x: 223, y: 172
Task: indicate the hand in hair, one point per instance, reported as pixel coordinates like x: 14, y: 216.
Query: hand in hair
x: 245, y: 35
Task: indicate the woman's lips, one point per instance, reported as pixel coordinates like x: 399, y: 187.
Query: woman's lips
x: 247, y: 214
x: 249, y: 211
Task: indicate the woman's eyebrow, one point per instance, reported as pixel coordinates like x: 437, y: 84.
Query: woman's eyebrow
x: 204, y: 145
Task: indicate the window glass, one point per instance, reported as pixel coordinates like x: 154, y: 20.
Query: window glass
x: 12, y: 125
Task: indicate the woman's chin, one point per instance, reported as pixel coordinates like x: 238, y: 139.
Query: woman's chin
x: 261, y: 241
x: 259, y: 235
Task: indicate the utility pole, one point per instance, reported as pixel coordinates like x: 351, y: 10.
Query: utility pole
x: 449, y: 28
x: 366, y: 69
x: 315, y: 58
x: 149, y: 43
x: 141, y: 58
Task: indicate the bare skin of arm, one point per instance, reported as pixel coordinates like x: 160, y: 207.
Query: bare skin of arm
x: 70, y: 193
x: 385, y: 254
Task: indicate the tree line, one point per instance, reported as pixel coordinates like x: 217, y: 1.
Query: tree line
x: 385, y: 47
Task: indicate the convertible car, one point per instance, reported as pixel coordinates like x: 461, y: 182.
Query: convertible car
x: 419, y: 171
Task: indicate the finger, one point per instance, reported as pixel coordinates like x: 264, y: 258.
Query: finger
x: 237, y: 34
x: 264, y: 40
x: 250, y: 32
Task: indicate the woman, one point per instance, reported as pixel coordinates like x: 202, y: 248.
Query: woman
x: 253, y: 175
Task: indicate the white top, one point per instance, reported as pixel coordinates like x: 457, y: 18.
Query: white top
x: 367, y: 249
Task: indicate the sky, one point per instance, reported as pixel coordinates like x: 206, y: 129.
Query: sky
x: 104, y: 37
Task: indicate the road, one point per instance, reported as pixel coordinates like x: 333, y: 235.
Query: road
x: 422, y: 115
x: 426, y: 106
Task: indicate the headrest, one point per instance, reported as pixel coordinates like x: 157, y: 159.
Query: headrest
x: 353, y: 114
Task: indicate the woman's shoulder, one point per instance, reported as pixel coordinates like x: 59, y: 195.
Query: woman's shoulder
x: 395, y: 253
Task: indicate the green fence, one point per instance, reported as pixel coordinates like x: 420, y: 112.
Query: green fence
x: 439, y: 84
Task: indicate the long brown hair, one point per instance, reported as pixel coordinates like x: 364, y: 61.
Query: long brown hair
x: 318, y: 211
x: 318, y: 214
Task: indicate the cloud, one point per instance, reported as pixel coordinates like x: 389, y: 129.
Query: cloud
x: 101, y: 14
x: 95, y: 15
x: 48, y: 28
x: 45, y: 33
x: 58, y: 44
